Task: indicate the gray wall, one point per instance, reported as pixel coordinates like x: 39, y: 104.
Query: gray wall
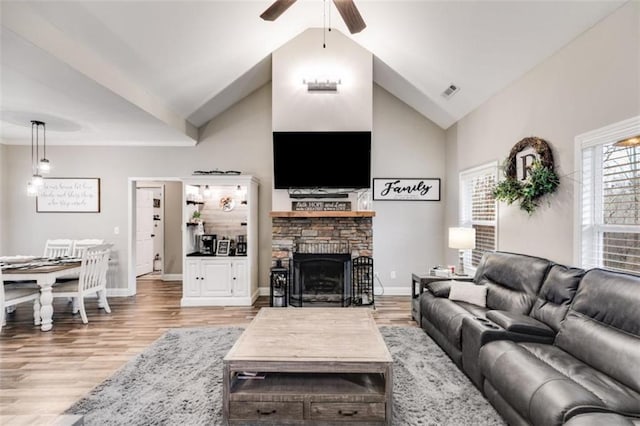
x: 3, y: 192
x: 407, y: 236
x: 172, y: 228
x: 592, y: 82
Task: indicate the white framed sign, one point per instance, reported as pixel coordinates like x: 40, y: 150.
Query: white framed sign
x: 406, y: 189
x: 69, y: 195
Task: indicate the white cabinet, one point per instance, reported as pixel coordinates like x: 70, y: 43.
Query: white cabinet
x: 213, y: 280
x: 228, y: 207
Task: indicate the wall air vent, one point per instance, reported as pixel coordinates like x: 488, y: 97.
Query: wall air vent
x: 450, y: 91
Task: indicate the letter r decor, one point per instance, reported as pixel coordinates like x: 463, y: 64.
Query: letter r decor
x: 406, y: 189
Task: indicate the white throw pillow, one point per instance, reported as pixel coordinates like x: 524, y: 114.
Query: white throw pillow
x: 470, y: 293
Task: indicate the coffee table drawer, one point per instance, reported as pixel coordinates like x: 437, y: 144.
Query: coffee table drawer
x: 241, y: 410
x: 344, y: 411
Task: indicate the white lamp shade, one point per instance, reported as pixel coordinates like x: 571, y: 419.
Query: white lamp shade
x: 462, y: 238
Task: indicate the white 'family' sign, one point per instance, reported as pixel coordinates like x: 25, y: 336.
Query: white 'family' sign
x: 79, y: 195
x: 406, y: 189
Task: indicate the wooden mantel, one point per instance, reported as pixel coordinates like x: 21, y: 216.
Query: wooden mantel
x: 323, y: 214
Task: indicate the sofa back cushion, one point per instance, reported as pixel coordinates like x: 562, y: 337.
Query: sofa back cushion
x: 602, y: 327
x: 512, y: 280
x: 556, y: 294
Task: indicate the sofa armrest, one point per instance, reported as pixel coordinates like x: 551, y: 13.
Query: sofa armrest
x: 519, y: 323
x: 440, y: 288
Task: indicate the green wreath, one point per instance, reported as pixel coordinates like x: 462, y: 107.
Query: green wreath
x: 542, y: 178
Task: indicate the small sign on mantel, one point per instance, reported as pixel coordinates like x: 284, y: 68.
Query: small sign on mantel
x: 321, y: 206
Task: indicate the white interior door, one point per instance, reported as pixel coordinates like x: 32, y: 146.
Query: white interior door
x: 144, y: 231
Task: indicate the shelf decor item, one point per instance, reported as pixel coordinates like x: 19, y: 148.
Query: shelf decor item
x: 529, y: 174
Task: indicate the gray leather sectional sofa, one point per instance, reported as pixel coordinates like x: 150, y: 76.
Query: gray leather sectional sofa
x: 553, y: 345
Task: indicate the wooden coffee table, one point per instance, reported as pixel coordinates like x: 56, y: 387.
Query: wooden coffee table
x: 312, y: 366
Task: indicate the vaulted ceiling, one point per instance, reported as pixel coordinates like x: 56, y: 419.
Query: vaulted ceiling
x: 153, y: 72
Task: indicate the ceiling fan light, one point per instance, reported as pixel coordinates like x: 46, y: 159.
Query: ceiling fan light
x: 44, y: 166
x: 631, y: 141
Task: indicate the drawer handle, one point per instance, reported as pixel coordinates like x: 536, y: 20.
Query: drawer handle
x: 265, y: 413
x: 348, y: 413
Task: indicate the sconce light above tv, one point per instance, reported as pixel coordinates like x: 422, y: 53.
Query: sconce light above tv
x: 322, y: 160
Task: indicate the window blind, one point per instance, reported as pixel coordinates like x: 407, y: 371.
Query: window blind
x: 478, y: 209
x: 611, y: 207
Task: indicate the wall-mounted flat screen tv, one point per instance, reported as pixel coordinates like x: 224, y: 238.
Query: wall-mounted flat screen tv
x: 322, y: 160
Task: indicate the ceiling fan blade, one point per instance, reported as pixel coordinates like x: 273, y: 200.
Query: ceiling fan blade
x: 276, y: 9
x: 350, y: 15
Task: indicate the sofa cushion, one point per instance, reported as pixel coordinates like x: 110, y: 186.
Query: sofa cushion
x: 469, y: 293
x: 446, y: 316
x: 602, y: 327
x: 512, y: 280
x: 546, y: 385
x: 599, y: 419
x: 556, y: 294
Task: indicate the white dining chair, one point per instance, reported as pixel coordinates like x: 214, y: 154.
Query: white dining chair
x: 79, y: 246
x: 93, y: 279
x: 11, y: 296
x: 57, y: 248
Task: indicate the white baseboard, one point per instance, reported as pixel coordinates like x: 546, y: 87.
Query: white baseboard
x: 171, y: 277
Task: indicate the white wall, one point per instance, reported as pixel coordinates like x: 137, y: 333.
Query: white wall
x: 304, y: 58
x: 590, y: 83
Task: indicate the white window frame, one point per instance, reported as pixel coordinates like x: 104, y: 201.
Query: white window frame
x: 587, y: 223
x: 464, y: 175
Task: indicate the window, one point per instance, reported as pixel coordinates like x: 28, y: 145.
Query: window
x: 609, y: 200
x: 478, y: 210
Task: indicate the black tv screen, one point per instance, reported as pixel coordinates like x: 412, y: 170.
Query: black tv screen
x: 321, y: 159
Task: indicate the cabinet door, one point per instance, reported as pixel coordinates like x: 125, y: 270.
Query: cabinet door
x: 240, y: 282
x: 217, y: 278
x: 192, y: 279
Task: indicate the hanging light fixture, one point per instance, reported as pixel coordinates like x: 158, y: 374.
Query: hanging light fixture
x: 44, y: 166
x: 38, y: 167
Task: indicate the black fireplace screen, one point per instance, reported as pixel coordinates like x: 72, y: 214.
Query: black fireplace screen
x: 320, y: 280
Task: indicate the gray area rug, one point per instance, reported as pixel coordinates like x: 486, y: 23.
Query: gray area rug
x: 178, y: 381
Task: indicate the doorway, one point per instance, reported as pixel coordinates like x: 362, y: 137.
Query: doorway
x: 155, y: 231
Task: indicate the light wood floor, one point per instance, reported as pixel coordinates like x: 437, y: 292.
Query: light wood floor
x: 43, y: 373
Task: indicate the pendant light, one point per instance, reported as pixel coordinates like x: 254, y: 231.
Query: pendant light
x: 37, y: 167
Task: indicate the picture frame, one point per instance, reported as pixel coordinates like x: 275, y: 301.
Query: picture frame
x: 223, y: 247
x: 406, y: 189
x: 69, y: 195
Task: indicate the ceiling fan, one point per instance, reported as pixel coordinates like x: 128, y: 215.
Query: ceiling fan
x: 348, y: 10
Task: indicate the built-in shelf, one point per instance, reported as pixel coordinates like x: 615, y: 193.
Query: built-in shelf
x: 323, y: 214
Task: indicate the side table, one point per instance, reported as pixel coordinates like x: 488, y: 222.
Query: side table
x: 421, y: 280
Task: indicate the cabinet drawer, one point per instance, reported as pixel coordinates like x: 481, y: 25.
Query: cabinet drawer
x: 344, y: 411
x: 241, y: 410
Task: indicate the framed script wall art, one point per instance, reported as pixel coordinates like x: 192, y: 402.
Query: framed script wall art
x: 406, y: 189
x: 69, y: 195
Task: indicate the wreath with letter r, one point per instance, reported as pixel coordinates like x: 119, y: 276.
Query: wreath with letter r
x: 540, y: 177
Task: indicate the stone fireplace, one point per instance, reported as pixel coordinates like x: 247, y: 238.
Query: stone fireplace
x: 317, y: 248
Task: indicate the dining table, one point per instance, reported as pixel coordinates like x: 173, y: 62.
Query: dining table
x: 44, y: 273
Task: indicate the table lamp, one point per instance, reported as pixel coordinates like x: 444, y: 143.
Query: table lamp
x: 462, y: 239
